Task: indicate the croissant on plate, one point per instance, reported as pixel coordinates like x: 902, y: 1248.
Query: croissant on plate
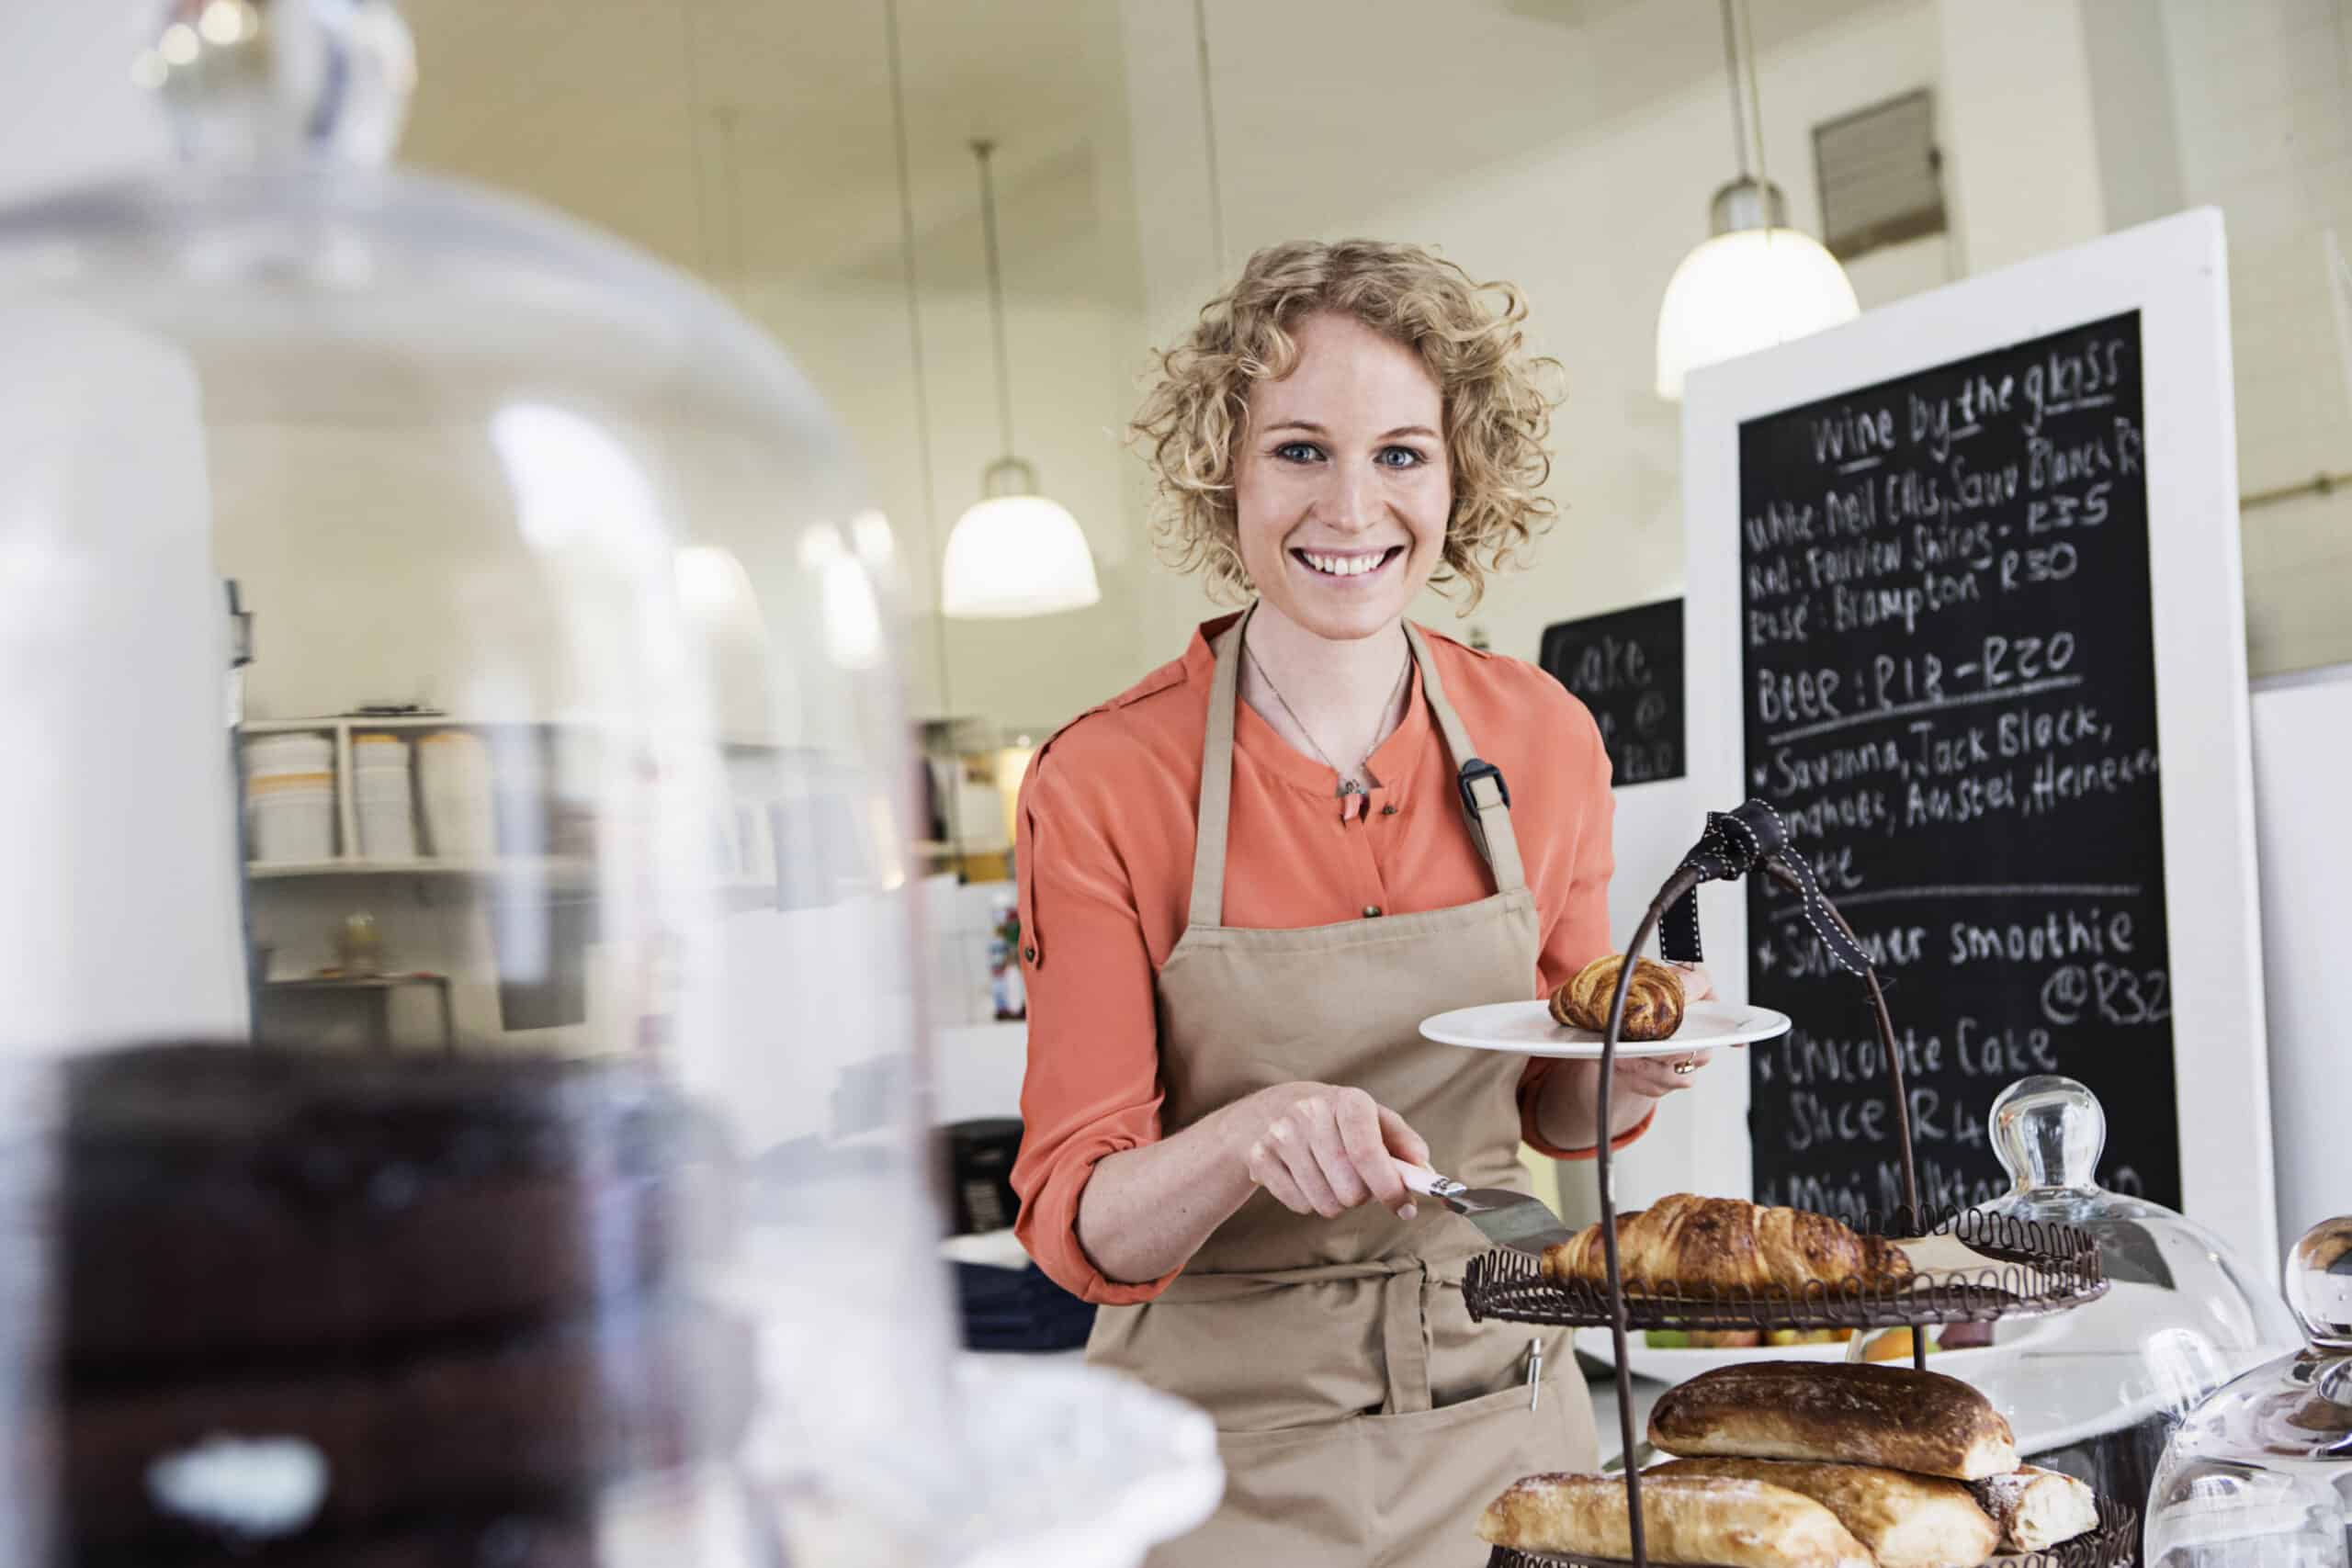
x: 1653, y: 1002
x: 1729, y: 1243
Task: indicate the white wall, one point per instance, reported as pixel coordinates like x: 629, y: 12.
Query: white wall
x: 2018, y: 120
x: 2262, y: 99
x: 72, y: 113
x: 2306, y: 847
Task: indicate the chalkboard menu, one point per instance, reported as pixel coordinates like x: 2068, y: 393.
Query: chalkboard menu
x: 1626, y: 666
x: 1948, y: 693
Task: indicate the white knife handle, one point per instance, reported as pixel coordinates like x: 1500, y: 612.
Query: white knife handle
x: 1422, y: 1179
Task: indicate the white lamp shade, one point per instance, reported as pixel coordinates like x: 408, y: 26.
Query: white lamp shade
x: 1016, y: 554
x: 1745, y: 291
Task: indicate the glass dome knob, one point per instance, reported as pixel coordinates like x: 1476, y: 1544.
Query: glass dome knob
x: 2319, y: 1284
x: 2048, y: 1132
x: 266, y: 81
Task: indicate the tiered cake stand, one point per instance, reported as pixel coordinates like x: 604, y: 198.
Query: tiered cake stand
x: 2035, y: 1270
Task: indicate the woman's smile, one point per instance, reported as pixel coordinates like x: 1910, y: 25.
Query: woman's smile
x: 1345, y: 570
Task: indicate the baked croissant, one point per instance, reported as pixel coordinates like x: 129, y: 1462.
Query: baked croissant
x: 1729, y: 1243
x: 1653, y: 1002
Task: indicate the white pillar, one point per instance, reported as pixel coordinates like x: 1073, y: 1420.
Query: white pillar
x: 2021, y: 135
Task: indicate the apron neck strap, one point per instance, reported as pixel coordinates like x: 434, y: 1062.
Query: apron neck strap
x: 1216, y: 780
x: 1486, y: 802
x: 1486, y: 799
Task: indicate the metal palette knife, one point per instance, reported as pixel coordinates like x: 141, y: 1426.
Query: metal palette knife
x: 1506, y: 1219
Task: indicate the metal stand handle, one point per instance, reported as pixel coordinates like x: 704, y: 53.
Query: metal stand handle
x: 1687, y: 879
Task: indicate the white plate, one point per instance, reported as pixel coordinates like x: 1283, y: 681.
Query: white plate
x: 1680, y: 1366
x: 1526, y: 1029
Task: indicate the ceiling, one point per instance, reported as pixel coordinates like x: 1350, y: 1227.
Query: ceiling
x: 753, y: 139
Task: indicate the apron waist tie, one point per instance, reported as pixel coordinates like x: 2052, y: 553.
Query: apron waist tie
x: 1404, y: 1322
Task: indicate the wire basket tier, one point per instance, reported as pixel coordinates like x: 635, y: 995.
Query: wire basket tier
x: 2037, y: 1268
x: 2115, y: 1543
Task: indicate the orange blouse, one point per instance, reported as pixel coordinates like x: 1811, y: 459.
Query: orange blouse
x: 1104, y: 855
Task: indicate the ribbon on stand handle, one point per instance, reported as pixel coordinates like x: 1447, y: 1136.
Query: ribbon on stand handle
x: 1752, y: 837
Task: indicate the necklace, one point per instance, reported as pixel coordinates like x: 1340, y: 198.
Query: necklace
x: 1348, y: 785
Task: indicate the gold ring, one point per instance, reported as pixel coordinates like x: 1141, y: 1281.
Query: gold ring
x: 1685, y: 1068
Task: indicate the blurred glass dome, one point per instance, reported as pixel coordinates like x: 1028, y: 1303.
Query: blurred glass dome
x: 2095, y: 1391
x: 550, y: 847
x: 2260, y: 1475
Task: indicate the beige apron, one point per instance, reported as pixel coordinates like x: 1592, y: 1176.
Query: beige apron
x: 1363, y: 1418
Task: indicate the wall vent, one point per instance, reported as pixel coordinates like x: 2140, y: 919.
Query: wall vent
x: 1880, y: 175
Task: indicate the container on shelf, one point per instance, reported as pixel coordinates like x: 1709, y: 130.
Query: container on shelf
x: 270, y: 756
x: 382, y: 799
x: 453, y: 781
x: 293, y: 817
x: 645, y: 1269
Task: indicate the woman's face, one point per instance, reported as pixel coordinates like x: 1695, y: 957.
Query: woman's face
x: 1342, y: 488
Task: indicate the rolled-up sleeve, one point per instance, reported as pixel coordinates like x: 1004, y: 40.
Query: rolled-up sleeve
x: 1092, y: 1086
x: 1580, y: 934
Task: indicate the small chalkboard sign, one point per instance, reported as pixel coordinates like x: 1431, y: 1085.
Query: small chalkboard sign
x: 1626, y: 666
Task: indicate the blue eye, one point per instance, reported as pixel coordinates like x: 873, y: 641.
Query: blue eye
x: 1297, y: 452
x: 1411, y: 459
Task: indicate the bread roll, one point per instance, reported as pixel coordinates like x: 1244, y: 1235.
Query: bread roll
x: 1922, y: 1422
x: 1727, y: 1244
x: 2038, y: 1508
x: 1653, y: 1002
x: 1738, y: 1524
x: 1908, y: 1522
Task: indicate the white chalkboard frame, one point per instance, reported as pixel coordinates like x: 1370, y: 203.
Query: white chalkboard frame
x: 2175, y: 273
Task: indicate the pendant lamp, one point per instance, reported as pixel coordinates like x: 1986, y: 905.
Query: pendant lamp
x: 1016, y: 552
x: 1754, y: 281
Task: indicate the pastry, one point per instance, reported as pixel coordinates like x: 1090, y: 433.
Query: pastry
x: 284, y: 1199
x: 1653, y: 1002
x: 1728, y: 1243
x: 1922, y: 1422
x: 498, y: 1541
x: 2038, y: 1508
x: 538, y: 1421
x: 1908, y: 1522
x: 313, y: 1303
x: 1735, y: 1524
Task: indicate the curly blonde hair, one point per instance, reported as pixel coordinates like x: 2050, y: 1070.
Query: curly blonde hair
x: 1498, y: 411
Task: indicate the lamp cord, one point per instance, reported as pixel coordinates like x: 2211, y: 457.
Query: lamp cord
x: 952, y: 818
x: 980, y: 149
x: 1731, y: 79
x: 1208, y: 134
x: 1755, y: 109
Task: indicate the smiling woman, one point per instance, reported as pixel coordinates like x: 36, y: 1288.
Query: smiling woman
x: 1246, y: 880
x: 1484, y: 408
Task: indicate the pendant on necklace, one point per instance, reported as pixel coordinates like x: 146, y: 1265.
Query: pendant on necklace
x: 1348, y: 788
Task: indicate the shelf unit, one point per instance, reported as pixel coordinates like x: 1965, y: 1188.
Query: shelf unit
x: 560, y: 872
x: 566, y: 870
x: 340, y: 728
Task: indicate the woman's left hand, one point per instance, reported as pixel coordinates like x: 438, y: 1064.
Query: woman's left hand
x: 1698, y: 986
x: 1659, y: 1077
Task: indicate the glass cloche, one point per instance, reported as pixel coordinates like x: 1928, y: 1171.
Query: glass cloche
x: 2260, y: 1475
x: 463, y: 1073
x: 2097, y: 1391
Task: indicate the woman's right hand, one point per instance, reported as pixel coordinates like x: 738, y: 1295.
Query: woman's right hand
x: 1324, y: 1150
